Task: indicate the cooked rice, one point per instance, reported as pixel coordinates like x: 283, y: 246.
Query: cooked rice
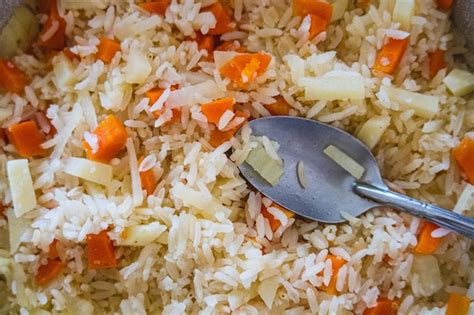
x: 217, y: 252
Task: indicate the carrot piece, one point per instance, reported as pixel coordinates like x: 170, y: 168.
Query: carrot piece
x: 44, y: 124
x: 231, y: 46
x: 224, y: 20
x: 437, y: 62
x: 218, y: 137
x: 27, y: 138
x: 337, y: 263
x: 388, y: 58
x: 279, y: 108
x: 53, y: 33
x: 363, y: 4
x: 214, y: 110
x: 100, y: 251
x: 111, y: 137
x: 464, y: 154
x: 153, y: 95
x: 316, y: 7
x: 444, y: 4
x: 48, y: 272
x: 244, y: 68
x: 147, y: 179
x: 71, y: 56
x: 53, y: 251
x: 176, y: 116
x: 384, y: 307
x: 274, y: 222
x: 156, y: 7
x: 44, y: 6
x: 11, y: 78
x: 426, y: 243
x: 205, y: 42
x: 107, y: 49
x: 2, y: 209
x: 318, y: 25
x: 457, y: 304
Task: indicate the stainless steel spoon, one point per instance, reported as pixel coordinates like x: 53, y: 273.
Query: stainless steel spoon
x: 330, y: 189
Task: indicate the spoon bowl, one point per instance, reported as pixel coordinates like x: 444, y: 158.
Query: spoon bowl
x: 329, y: 188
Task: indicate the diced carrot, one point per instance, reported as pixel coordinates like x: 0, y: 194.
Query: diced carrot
x: 44, y: 6
x: 71, y: 56
x: 231, y: 46
x: 3, y: 136
x: 224, y: 20
x: 111, y: 137
x: 2, y: 209
x: 53, y: 251
x: 426, y: 243
x: 156, y: 7
x: 318, y: 25
x: 26, y: 138
x: 214, y: 110
x: 44, y: 124
x: 279, y: 108
x: 147, y: 179
x: 244, y: 68
x: 49, y: 272
x: 218, y: 137
x: 389, y: 57
x: 205, y: 42
x: 316, y: 7
x: 337, y: 263
x: 436, y: 62
x: 274, y: 222
x: 100, y: 251
x: 176, y: 118
x: 153, y: 95
x: 11, y: 78
x: 384, y: 307
x: 444, y: 4
x: 107, y: 49
x: 363, y: 4
x: 457, y: 304
x: 464, y: 155
x: 53, y: 33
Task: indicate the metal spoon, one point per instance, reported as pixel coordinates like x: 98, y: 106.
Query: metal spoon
x: 330, y: 189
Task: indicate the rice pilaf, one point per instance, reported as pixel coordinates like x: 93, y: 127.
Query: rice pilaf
x: 161, y: 222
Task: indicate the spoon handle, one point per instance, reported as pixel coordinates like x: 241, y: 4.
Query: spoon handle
x: 442, y: 217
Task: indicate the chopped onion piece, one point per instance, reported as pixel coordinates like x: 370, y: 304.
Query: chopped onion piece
x: 138, y: 67
x: 141, y: 235
x: 63, y: 69
x: 373, y: 129
x: 464, y: 200
x: 267, y: 290
x: 426, y: 268
x: 194, y: 94
x: 339, y: 7
x: 21, y: 186
x: 459, y: 82
x: 95, y: 172
x: 16, y: 229
x: 83, y: 4
x: 334, y: 85
x: 425, y: 106
x: 270, y: 169
x: 403, y: 12
x: 223, y: 57
x: 345, y: 161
